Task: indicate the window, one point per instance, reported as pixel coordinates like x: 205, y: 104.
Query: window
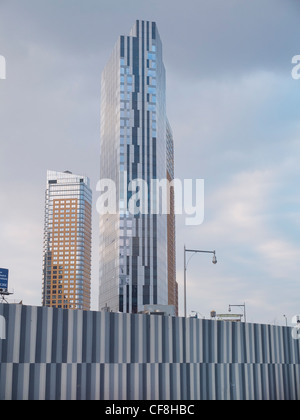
x: 151, y: 56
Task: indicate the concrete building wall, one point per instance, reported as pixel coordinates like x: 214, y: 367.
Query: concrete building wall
x: 53, y: 353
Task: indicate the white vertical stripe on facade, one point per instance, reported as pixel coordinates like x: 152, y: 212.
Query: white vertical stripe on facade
x: 71, y: 381
x: 152, y: 341
x: 280, y: 344
x: 79, y: 335
x: 199, y: 328
x: 155, y: 381
x: 120, y: 348
x: 193, y: 340
x: 192, y: 381
x: 167, y: 382
x: 17, y: 334
x: 223, y: 382
x: 272, y: 346
x: 48, y: 334
x: 64, y: 380
x: 215, y: 341
x: 238, y: 381
x: 102, y: 341
x: 180, y: 339
x: 159, y: 339
x: 42, y: 388
x: 177, y: 381
x: 33, y: 332
x: 128, y: 337
x: 229, y: 382
x: 212, y: 390
x: 88, y: 332
x: 96, y: 387
x: 123, y: 382
x: 247, y: 382
x: 258, y: 381
x: 140, y: 338
x: 267, y: 345
x: 266, y: 382
x: 115, y: 377
x: 70, y: 338
x: 186, y: 342
x: 260, y: 342
x: 239, y: 344
x: 169, y: 340
x: 249, y: 343
x: 228, y: 341
x: 106, y: 388
x: 148, y: 381
x: 280, y: 388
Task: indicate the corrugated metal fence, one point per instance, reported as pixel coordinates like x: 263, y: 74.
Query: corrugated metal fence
x: 50, y: 353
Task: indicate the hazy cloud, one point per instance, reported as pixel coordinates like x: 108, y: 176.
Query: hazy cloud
x: 234, y: 111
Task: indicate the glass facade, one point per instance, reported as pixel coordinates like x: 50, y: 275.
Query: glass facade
x: 67, y: 241
x: 134, y: 248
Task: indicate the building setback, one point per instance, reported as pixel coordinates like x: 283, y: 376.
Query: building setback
x: 137, y: 251
x: 67, y: 241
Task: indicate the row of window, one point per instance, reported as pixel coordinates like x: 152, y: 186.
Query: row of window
x: 77, y: 301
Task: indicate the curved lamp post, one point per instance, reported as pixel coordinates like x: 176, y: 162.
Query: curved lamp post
x: 214, y: 261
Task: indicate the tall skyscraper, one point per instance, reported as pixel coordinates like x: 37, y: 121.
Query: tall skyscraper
x: 137, y: 251
x: 67, y: 241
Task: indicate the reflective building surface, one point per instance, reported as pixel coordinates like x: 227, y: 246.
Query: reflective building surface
x: 137, y: 251
x: 67, y: 241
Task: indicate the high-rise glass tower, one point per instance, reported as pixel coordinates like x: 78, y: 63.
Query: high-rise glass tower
x: 67, y: 241
x: 137, y: 251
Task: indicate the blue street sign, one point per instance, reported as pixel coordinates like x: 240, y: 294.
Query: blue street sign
x: 3, y: 280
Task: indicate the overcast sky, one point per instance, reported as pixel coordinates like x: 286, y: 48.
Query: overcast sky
x: 234, y: 110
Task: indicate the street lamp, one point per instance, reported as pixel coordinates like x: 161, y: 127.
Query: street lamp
x: 214, y: 261
x: 244, y: 306
x: 285, y: 320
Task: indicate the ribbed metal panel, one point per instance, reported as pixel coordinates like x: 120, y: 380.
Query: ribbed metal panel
x: 51, y: 353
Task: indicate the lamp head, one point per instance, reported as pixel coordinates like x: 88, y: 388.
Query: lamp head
x: 214, y: 260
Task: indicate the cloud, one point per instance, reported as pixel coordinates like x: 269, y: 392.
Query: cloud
x: 234, y: 110
x: 256, y: 258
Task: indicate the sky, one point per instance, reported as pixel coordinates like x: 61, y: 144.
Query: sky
x: 234, y: 110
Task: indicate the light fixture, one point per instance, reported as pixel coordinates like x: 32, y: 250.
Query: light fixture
x: 214, y: 259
